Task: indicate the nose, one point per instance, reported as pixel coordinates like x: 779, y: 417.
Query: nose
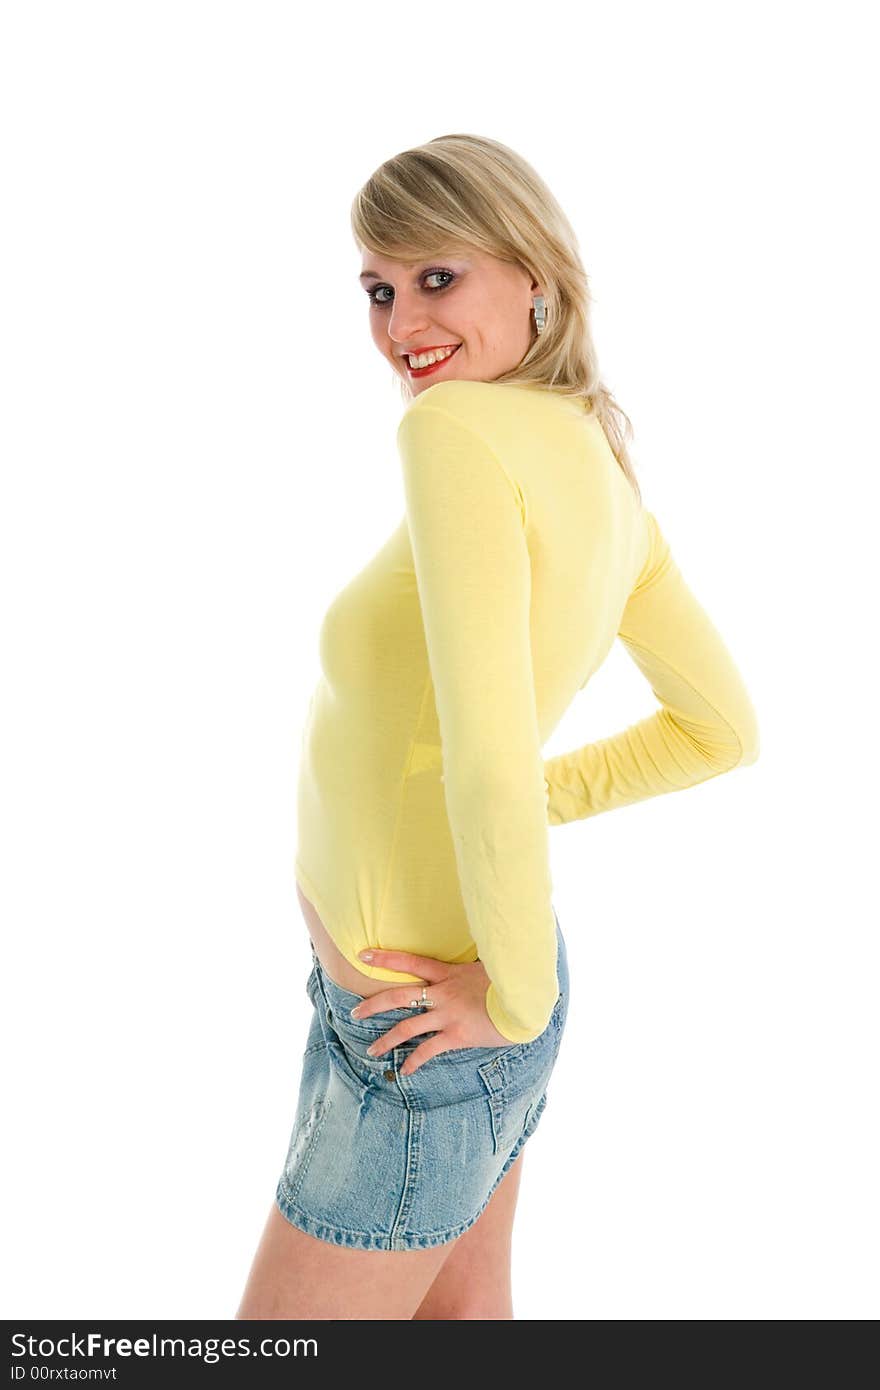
x: 405, y: 321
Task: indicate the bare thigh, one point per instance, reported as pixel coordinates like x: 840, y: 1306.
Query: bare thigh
x: 475, y: 1282
x: 295, y: 1275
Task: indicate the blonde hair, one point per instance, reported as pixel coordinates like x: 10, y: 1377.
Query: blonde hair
x: 468, y: 190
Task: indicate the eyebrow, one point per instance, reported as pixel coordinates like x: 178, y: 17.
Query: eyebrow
x: 372, y: 275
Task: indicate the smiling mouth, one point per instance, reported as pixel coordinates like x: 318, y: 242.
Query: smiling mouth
x: 431, y: 366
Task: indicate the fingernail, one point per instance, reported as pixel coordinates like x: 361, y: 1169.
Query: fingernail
x: 354, y: 1012
x: 371, y: 1050
x: 365, y: 955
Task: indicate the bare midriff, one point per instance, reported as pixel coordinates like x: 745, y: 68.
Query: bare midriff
x: 339, y: 970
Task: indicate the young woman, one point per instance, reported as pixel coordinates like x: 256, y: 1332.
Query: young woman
x: 440, y: 985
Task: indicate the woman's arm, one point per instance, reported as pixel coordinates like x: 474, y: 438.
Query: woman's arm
x: 466, y: 525
x: 706, y: 724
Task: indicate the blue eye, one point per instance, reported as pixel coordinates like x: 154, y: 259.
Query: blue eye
x: 428, y: 273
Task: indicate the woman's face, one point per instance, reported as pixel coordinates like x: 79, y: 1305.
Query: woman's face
x: 471, y: 301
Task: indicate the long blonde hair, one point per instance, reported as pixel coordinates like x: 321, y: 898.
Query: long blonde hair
x: 468, y: 190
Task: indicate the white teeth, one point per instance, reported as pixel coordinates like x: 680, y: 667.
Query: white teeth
x: 426, y: 358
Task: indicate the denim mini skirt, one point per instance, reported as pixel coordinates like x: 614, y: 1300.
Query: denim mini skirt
x: 381, y: 1161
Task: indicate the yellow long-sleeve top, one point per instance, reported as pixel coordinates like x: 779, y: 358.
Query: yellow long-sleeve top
x: 424, y: 799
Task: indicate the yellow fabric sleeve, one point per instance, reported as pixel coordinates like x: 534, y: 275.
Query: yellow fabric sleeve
x: 466, y: 522
x: 706, y: 724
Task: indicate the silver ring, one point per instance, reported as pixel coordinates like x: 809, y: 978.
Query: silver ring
x: 424, y: 1002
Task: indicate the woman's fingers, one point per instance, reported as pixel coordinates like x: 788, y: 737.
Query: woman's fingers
x: 423, y: 1054
x: 430, y: 969
x: 401, y: 1033
x: 397, y: 997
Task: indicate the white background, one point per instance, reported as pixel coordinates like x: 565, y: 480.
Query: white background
x: 198, y: 452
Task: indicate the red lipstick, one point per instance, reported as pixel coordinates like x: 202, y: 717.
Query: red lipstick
x: 433, y: 367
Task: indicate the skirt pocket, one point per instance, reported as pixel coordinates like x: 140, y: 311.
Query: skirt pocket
x: 515, y: 1080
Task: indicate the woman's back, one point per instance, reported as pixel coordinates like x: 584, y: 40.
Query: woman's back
x: 448, y: 661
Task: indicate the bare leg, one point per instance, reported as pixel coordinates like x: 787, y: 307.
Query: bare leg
x: 475, y: 1281
x: 295, y: 1275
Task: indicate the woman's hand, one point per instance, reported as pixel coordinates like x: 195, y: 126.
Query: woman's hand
x: 459, y: 1018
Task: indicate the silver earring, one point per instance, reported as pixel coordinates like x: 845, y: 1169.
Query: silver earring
x: 540, y: 312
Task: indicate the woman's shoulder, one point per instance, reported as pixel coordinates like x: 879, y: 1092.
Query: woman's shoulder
x: 464, y: 399
x: 484, y: 405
